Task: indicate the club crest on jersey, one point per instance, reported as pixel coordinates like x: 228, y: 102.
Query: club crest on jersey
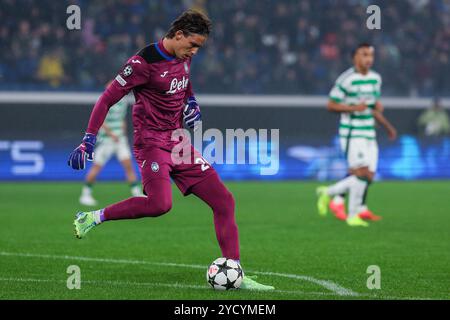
x: 177, y: 85
x: 127, y: 71
x: 155, y: 166
x: 186, y: 67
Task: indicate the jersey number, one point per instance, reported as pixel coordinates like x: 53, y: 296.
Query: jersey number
x: 203, y: 162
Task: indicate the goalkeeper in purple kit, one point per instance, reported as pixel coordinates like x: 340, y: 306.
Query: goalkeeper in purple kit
x: 158, y: 75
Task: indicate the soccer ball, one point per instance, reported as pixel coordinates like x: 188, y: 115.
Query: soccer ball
x: 224, y: 274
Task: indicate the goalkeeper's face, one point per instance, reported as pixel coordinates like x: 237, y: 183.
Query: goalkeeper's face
x: 186, y: 46
x: 364, y: 58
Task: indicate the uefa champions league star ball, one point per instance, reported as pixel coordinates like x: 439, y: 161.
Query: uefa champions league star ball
x: 224, y: 274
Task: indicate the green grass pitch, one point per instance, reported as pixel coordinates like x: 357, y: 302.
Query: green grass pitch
x: 283, y: 241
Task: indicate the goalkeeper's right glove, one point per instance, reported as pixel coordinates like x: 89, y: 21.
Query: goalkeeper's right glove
x: 191, y: 113
x: 77, y: 158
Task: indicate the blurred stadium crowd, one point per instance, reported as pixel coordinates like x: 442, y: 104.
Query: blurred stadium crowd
x: 261, y: 47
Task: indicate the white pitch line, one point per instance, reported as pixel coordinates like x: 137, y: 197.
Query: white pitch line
x: 329, y: 285
x: 108, y: 282
x: 186, y: 286
x: 156, y: 284
x: 341, y: 291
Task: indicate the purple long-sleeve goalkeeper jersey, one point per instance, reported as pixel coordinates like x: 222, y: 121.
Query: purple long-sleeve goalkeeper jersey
x: 161, y: 86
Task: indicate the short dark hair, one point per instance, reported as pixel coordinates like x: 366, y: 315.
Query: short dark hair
x: 359, y: 46
x: 190, y: 21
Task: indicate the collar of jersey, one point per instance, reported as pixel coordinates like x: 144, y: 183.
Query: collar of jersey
x: 163, y: 51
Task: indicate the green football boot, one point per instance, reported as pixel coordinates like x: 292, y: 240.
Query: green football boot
x: 249, y: 284
x: 356, y: 222
x: 83, y: 223
x: 323, y: 200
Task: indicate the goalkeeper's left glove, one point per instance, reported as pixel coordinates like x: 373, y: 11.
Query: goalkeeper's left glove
x: 77, y: 158
x: 191, y: 113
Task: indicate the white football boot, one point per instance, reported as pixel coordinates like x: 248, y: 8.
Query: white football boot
x: 86, y: 199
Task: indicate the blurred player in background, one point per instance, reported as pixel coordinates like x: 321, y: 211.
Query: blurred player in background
x: 159, y: 77
x: 355, y: 96
x: 434, y: 122
x: 112, y: 140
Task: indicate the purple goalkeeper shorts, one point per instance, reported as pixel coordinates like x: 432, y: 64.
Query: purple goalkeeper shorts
x: 159, y: 163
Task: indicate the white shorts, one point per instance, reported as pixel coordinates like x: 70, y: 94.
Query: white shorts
x: 107, y: 147
x: 360, y: 152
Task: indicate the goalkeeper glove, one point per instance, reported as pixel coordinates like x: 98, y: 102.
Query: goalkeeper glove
x: 191, y: 113
x: 77, y: 159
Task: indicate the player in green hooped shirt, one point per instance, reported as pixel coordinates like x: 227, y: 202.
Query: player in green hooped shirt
x: 112, y: 140
x: 355, y: 96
